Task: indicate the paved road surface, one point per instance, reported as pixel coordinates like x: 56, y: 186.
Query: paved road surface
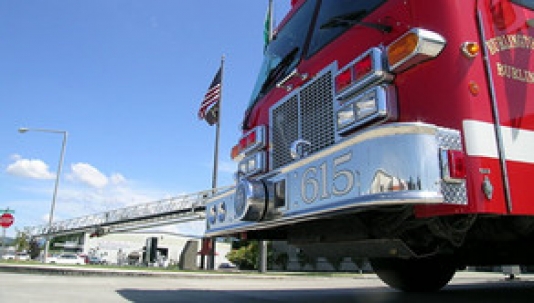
x: 465, y: 288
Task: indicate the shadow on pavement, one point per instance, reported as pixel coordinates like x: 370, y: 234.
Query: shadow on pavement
x: 509, y: 292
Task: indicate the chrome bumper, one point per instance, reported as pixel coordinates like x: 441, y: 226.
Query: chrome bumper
x: 387, y: 165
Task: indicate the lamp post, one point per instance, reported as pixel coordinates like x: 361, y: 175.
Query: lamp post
x: 58, y: 173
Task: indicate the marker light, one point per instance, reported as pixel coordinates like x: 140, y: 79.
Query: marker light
x: 453, y: 165
x: 343, y: 80
x: 366, y: 70
x: 474, y: 88
x: 470, y: 49
x: 414, y: 47
x: 251, y: 141
x: 401, y: 49
x: 363, y: 67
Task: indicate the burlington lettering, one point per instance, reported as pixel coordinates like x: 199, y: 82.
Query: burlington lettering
x: 507, y: 42
x: 514, y: 73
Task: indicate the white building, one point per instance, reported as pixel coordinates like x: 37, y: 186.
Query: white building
x: 124, y: 248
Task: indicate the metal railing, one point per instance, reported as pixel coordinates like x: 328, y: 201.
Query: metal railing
x: 179, y: 209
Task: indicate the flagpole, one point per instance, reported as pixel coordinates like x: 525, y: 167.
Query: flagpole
x: 217, y: 133
x: 211, y: 265
x: 271, y: 20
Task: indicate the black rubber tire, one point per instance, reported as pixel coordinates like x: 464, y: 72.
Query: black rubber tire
x: 415, y: 275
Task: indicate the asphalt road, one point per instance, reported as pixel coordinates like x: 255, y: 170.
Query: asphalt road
x: 465, y: 287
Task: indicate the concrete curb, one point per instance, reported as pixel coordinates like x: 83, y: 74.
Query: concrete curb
x: 81, y: 271
x: 108, y: 272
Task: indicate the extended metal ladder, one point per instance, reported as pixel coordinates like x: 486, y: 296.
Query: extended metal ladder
x: 189, y: 207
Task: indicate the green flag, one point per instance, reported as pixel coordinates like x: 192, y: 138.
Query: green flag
x: 268, y: 30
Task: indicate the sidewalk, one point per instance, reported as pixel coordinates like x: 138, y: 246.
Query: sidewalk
x: 92, y: 271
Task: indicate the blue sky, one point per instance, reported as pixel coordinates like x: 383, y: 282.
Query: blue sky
x: 125, y: 79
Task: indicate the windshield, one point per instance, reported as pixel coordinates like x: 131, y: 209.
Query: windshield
x: 525, y: 3
x: 284, y: 52
x: 335, y: 17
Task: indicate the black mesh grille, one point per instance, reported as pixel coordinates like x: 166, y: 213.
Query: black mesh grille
x: 285, y: 131
x: 308, y: 116
x: 316, y: 114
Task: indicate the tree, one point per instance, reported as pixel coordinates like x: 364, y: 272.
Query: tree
x: 22, y: 241
x: 245, y: 254
x: 35, y: 249
x: 282, y: 260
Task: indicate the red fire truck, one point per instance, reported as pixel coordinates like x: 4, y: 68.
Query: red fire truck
x: 401, y: 131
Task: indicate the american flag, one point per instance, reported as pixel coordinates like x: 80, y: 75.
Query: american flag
x: 210, y: 104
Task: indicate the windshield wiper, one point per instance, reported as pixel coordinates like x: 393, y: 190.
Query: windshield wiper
x: 279, y: 70
x: 273, y: 75
x: 350, y: 19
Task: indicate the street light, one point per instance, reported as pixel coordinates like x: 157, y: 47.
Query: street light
x: 23, y: 130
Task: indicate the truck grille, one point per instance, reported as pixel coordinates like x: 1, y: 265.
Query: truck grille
x: 307, y: 115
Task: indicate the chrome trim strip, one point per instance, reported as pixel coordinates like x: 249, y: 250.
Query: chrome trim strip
x: 378, y: 132
x: 495, y: 111
x: 302, y: 216
x: 387, y: 165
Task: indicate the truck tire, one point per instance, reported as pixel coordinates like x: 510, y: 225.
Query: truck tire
x: 415, y: 275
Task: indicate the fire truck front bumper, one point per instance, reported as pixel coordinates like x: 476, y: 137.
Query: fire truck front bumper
x: 404, y: 163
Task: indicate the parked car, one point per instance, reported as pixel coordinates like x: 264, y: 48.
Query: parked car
x: 227, y: 267
x: 84, y: 257
x: 22, y: 256
x: 96, y: 260
x: 71, y: 259
x: 8, y: 256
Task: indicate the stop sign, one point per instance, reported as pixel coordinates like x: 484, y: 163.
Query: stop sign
x: 6, y: 220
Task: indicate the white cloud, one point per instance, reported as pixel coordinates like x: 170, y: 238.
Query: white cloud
x: 89, y: 175
x: 83, y: 199
x: 15, y: 157
x: 30, y: 168
x: 117, y: 179
x: 87, y: 191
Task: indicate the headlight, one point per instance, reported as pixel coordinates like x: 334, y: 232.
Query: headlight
x: 367, y: 106
x: 346, y: 116
x: 250, y: 200
x: 253, y: 164
x: 374, y: 105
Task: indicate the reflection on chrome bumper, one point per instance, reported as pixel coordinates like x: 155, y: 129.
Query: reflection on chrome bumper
x: 391, y: 164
